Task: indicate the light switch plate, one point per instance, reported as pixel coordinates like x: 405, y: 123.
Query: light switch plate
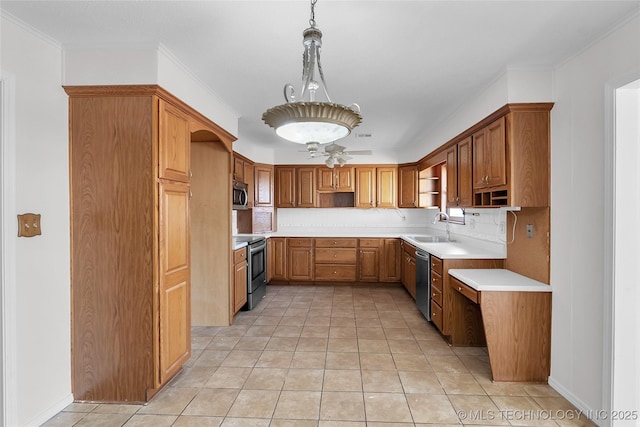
x: 29, y: 225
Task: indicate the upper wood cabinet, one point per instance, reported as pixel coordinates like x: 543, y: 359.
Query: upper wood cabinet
x: 408, y: 186
x: 336, y: 179
x: 306, y: 187
x: 238, y: 169
x: 376, y: 187
x: 174, y: 153
x: 263, y: 185
x: 489, y: 159
x: 285, y: 187
x: 459, y: 174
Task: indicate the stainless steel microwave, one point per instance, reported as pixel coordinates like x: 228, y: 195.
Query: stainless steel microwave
x: 240, y: 196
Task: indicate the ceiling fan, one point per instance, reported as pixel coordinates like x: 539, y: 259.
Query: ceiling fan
x: 335, y: 153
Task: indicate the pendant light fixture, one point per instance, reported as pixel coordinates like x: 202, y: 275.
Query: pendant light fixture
x: 305, y: 120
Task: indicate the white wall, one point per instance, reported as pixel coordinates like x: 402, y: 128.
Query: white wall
x: 43, y: 371
x: 577, y: 214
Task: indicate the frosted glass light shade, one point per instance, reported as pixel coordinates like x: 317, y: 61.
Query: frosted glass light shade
x: 303, y: 132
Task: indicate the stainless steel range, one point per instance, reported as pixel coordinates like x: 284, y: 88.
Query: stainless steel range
x: 256, y: 269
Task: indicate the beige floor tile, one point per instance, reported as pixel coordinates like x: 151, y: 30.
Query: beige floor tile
x: 377, y: 361
x: 102, y: 420
x: 388, y: 407
x: 476, y: 365
x: 342, y: 332
x: 211, y: 402
x: 343, y: 322
x: 287, y: 331
x: 431, y: 408
x: 343, y: 406
x: 411, y: 362
x: 312, y: 344
x: 274, y: 359
x: 342, y: 380
x: 228, y: 377
x: 298, y: 405
x: 252, y: 343
x: 189, y: 421
x: 477, y: 410
x: 308, y: 359
x: 343, y: 345
x: 254, y: 404
x: 500, y: 388
x: 339, y: 360
x: 522, y: 411
x: 315, y: 331
x: 296, y: 312
x: 382, y: 424
x: 370, y: 333
x: 393, y: 323
x: 151, y: 421
x: 366, y: 311
x: 293, y: 423
x: 242, y: 358
x: 304, y: 379
x: 318, y: 317
x: 420, y: 382
x: 398, y: 334
x: 373, y: 346
x: 195, y: 376
x: 381, y: 381
x: 64, y: 419
x: 169, y: 401
x: 459, y: 383
x: 200, y: 342
x: 282, y: 344
x: 223, y: 343
x: 80, y: 407
x: 435, y: 347
x: 404, y: 346
x: 246, y: 422
x: 266, y: 379
x: 541, y: 390
x: 267, y: 320
x: 447, y: 364
x: 297, y: 321
x: 211, y: 358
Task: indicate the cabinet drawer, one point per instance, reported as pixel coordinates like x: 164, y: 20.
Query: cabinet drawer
x: 369, y: 243
x: 341, y: 273
x: 436, y: 295
x: 465, y: 290
x: 300, y: 243
x: 336, y: 243
x: 239, y: 255
x: 436, y: 281
x: 436, y: 315
x: 436, y: 265
x: 409, y: 249
x: 336, y: 256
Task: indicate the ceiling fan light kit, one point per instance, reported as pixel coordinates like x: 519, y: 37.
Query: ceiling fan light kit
x: 306, y: 120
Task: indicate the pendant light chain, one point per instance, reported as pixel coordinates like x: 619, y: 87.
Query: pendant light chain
x: 312, y: 20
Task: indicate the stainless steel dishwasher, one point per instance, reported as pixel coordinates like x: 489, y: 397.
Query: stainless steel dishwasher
x: 423, y: 283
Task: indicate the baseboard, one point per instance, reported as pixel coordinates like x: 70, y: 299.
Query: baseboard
x: 43, y: 417
x: 585, y: 409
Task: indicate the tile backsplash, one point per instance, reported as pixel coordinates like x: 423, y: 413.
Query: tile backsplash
x: 484, y: 224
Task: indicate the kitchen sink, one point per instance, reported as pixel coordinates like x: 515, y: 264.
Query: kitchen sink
x: 428, y: 239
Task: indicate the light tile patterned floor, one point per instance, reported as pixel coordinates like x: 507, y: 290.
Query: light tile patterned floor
x: 324, y: 356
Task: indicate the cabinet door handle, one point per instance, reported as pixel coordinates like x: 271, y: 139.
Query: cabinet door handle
x: 459, y: 289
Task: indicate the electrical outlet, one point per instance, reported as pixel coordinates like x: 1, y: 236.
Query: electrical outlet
x: 29, y: 225
x: 529, y: 230
x: 501, y: 227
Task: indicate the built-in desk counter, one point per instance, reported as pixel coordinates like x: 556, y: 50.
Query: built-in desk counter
x: 516, y: 315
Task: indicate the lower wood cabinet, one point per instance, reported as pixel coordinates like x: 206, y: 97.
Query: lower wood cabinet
x: 409, y: 268
x: 335, y: 259
x: 390, y: 261
x: 239, y: 288
x: 276, y: 259
x: 369, y: 260
x: 300, y: 259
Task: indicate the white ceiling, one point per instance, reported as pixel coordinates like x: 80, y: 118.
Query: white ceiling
x: 408, y: 64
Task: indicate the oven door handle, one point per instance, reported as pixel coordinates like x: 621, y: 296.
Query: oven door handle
x: 258, y: 247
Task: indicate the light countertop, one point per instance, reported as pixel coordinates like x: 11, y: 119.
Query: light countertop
x: 498, y: 279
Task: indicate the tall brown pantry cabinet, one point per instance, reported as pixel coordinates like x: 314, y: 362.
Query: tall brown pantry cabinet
x: 130, y: 240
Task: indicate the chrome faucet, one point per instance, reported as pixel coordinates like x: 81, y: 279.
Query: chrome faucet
x: 446, y: 217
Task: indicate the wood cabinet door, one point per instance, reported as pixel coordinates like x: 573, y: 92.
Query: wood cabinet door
x: 464, y: 173
x: 344, y: 180
x: 390, y: 261
x: 452, y: 176
x: 240, y: 285
x: 306, y: 187
x: 277, y: 258
x: 263, y: 187
x: 285, y: 187
x: 301, y: 263
x: 326, y: 179
x: 411, y: 276
x: 175, y: 279
x: 365, y: 194
x: 479, y: 159
x: 238, y: 169
x: 248, y: 179
x: 174, y: 144
x: 386, y: 187
x: 408, y: 187
x: 368, y: 264
x: 496, y: 149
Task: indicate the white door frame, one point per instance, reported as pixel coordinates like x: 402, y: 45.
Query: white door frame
x: 8, y: 231
x: 609, y: 277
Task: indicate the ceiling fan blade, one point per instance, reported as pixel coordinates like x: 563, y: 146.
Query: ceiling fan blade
x: 359, y: 152
x: 334, y: 148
